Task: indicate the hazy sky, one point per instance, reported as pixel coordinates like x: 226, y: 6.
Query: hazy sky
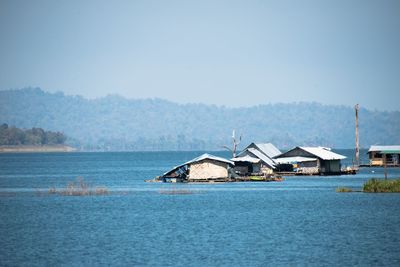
x: 233, y: 53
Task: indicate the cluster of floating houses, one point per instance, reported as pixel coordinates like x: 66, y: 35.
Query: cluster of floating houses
x: 265, y: 162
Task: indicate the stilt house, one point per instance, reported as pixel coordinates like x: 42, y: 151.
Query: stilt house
x: 377, y: 155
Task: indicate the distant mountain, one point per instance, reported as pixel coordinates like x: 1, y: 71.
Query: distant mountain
x: 117, y: 123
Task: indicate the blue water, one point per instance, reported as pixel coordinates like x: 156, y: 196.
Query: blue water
x: 300, y: 221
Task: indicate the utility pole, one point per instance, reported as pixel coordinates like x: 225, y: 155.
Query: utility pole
x: 356, y: 107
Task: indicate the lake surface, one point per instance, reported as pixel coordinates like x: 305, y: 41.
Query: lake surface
x: 300, y: 221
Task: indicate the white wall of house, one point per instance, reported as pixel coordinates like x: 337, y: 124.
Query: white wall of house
x: 208, y: 169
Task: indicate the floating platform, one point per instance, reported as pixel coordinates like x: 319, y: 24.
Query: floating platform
x: 270, y: 178
x: 380, y: 166
x: 347, y: 171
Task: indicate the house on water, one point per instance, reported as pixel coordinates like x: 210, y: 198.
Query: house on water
x: 311, y: 160
x: 256, y: 159
x: 203, y: 168
x: 377, y: 155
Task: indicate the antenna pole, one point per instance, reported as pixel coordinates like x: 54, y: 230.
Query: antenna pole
x: 356, y: 107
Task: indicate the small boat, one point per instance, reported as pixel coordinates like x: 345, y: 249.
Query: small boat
x: 257, y: 178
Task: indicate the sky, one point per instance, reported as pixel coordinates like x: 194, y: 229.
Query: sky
x: 231, y: 53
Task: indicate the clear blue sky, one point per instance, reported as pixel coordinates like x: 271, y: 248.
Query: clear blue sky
x: 233, y: 53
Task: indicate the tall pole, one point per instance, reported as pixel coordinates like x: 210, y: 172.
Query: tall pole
x: 357, y: 145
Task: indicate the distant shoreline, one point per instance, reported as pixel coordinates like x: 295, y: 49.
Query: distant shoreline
x: 36, y: 149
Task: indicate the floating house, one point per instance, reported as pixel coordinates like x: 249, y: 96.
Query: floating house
x: 311, y: 160
x: 203, y: 168
x: 377, y: 155
x: 256, y: 159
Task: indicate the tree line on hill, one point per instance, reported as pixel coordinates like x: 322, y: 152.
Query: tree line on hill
x: 13, y: 136
x: 117, y: 123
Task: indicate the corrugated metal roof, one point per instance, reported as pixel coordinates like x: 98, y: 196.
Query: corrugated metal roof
x: 387, y: 149
x: 293, y: 160
x: 209, y: 156
x: 323, y: 153
x: 247, y: 158
x: 268, y: 149
x: 263, y: 151
x: 198, y: 159
x: 261, y: 156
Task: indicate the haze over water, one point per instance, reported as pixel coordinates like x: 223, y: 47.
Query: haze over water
x: 233, y: 53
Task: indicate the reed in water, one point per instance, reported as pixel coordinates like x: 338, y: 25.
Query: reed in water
x: 79, y: 188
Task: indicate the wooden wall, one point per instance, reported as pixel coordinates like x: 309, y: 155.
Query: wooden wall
x: 208, y: 169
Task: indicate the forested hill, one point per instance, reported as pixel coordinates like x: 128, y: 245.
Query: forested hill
x: 117, y: 123
x: 13, y: 136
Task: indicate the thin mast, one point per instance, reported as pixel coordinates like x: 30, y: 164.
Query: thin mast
x: 356, y: 107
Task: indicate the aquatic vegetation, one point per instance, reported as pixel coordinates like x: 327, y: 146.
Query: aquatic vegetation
x: 79, y: 188
x: 382, y: 186
x: 343, y: 190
